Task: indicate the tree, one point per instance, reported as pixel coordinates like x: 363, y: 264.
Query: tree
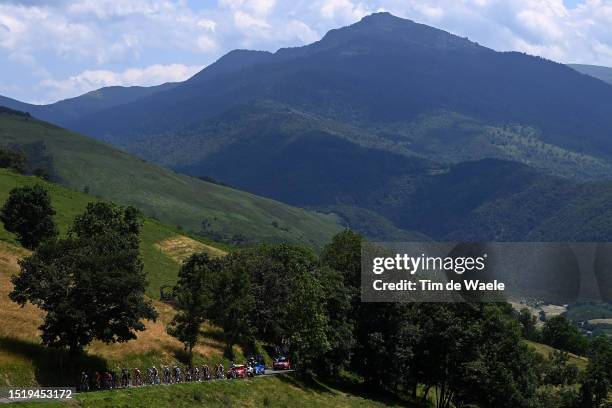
x: 559, y: 371
x: 13, y: 160
x: 507, y: 371
x: 558, y: 332
x: 528, y: 324
x: 234, y: 303
x: 344, y: 255
x: 597, y: 380
x: 271, y: 270
x: 28, y: 213
x: 471, y: 354
x: 194, y: 296
x: 91, y: 284
x: 308, y: 326
x: 337, y: 304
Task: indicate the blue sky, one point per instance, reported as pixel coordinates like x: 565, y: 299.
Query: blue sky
x: 54, y: 49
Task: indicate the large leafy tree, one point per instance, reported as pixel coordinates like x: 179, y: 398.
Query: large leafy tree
x: 336, y: 300
x: 307, y: 328
x: 28, y: 213
x: 91, y: 284
x: 194, y: 293
x: 234, y: 302
x: 272, y: 270
x: 344, y: 255
x: 560, y: 333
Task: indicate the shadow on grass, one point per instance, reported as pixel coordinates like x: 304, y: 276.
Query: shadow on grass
x: 213, y: 344
x: 347, y: 386
x: 217, y: 339
x: 181, y: 355
x: 305, y: 384
x: 52, y: 367
x: 216, y: 335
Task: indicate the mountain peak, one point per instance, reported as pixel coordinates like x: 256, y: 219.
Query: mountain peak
x: 383, y: 17
x: 397, y: 30
x: 384, y: 29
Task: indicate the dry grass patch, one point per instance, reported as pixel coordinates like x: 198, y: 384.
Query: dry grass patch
x: 600, y: 321
x: 181, y: 247
x: 18, y: 322
x: 154, y: 339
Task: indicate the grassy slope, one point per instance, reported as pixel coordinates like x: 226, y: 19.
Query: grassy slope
x: 161, y: 268
x: 545, y: 351
x: 175, y: 199
x: 281, y: 391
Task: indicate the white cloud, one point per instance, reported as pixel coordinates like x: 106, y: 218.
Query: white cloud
x: 247, y: 21
x: 302, y: 31
x: 93, y: 79
x: 106, y: 9
x: 256, y: 7
x: 206, y: 43
x: 345, y: 9
x: 109, y: 31
x: 207, y: 24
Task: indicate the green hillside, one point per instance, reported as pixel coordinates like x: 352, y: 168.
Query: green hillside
x: 161, y: 268
x: 229, y: 215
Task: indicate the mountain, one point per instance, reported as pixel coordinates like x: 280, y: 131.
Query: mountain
x: 596, y: 71
x: 67, y: 110
x: 215, y: 211
x: 386, y: 76
x: 391, y: 125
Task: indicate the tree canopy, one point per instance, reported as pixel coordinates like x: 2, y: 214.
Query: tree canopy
x: 28, y: 213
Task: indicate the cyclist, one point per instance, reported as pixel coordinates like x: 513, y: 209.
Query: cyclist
x: 125, y: 377
x: 107, y: 380
x: 221, y: 371
x: 114, y: 383
x: 156, y: 379
x: 166, y: 375
x: 137, y: 377
x: 84, y: 381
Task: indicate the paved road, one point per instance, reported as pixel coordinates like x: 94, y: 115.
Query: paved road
x: 267, y: 373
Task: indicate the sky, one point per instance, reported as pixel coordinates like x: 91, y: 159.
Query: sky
x: 56, y: 49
